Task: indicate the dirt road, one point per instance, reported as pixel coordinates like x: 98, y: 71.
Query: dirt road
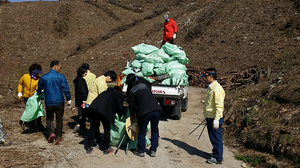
x: 176, y: 147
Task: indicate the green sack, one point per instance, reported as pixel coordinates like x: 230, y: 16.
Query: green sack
x: 117, y: 131
x: 175, y: 72
x: 149, y: 80
x: 159, y: 69
x: 136, y: 64
x: 127, y: 71
x: 174, y: 65
x: 147, y: 69
x: 172, y: 49
x: 151, y: 58
x: 33, y: 108
x: 143, y: 49
x: 162, y: 54
x: 175, y: 52
x: 181, y: 80
x: 167, y: 81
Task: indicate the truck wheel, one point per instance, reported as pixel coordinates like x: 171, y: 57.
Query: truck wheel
x: 177, y: 112
x: 185, y: 104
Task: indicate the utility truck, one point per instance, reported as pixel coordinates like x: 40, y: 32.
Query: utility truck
x: 173, y: 99
x: 165, y: 69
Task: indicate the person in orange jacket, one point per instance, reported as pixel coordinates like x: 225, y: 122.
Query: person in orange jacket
x: 28, y: 85
x: 170, y: 30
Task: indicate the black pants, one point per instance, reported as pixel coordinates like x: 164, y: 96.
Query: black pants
x: 59, y: 112
x: 84, y: 114
x: 95, y: 117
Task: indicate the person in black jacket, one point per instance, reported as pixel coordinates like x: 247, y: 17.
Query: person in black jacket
x: 81, y: 92
x: 130, y: 78
x: 104, y: 108
x: 143, y: 104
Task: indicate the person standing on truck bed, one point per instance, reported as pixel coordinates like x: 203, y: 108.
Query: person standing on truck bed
x: 170, y: 30
x: 213, y: 111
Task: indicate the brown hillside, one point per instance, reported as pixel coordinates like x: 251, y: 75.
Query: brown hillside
x: 231, y: 35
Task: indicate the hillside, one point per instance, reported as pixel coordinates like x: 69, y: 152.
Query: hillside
x: 233, y: 36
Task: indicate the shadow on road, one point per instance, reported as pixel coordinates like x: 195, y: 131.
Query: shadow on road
x: 190, y: 149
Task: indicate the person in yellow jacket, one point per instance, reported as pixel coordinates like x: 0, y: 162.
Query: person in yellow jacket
x: 27, y: 87
x: 213, y: 112
x: 99, y: 85
x: 90, y: 77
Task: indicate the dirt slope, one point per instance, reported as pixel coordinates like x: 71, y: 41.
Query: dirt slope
x: 231, y: 35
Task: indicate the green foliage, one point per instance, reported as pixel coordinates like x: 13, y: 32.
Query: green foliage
x: 257, y: 160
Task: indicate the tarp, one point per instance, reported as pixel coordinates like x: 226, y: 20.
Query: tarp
x: 33, y: 108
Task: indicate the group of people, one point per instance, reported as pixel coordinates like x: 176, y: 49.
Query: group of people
x: 99, y: 103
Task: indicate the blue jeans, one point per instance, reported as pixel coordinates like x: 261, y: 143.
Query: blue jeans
x: 153, y: 117
x: 215, y: 136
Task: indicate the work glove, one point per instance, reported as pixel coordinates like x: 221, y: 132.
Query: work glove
x: 69, y: 102
x: 20, y: 95
x: 216, y: 124
x: 174, y: 36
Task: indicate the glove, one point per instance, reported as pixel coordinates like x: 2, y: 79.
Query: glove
x: 69, y: 102
x: 174, y: 36
x: 20, y: 95
x: 216, y: 124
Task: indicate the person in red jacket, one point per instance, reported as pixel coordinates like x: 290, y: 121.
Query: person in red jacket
x: 170, y: 30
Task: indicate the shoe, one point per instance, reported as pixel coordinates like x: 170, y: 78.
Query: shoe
x: 209, y: 155
x: 89, y: 150
x: 108, y: 151
x: 139, y: 154
x: 51, y: 138
x: 152, y: 153
x: 213, y: 160
x: 5, y: 144
x: 58, y: 140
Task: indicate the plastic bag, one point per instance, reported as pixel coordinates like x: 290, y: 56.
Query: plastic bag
x: 159, y: 69
x: 174, y: 65
x: 136, y: 64
x: 176, y: 53
x: 127, y: 71
x: 147, y: 69
x: 143, y: 49
x: 33, y: 108
x: 151, y: 58
x: 117, y: 131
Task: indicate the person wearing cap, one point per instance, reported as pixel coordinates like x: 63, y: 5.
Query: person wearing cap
x: 90, y: 77
x: 27, y: 86
x: 104, y: 109
x: 170, y: 30
x: 213, y: 112
x: 145, y: 107
x: 55, y: 86
x: 99, y: 85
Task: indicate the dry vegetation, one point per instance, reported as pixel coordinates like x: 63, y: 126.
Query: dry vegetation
x: 253, y: 44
